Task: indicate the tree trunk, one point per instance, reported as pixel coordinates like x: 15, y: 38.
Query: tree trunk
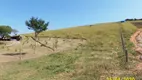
x: 42, y: 44
x: 36, y: 35
x: 35, y: 42
x: 2, y: 36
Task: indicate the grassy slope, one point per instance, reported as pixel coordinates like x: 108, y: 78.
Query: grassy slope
x: 101, y: 57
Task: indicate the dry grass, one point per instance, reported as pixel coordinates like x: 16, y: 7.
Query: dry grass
x: 28, y: 45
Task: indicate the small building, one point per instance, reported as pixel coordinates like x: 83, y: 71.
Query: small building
x: 122, y: 21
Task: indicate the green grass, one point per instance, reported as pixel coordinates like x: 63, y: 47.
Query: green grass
x: 100, y: 58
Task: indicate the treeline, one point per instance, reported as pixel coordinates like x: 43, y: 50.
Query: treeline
x: 38, y: 25
x: 134, y: 19
x: 5, y: 31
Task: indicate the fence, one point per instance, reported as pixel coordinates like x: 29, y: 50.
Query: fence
x: 121, y: 32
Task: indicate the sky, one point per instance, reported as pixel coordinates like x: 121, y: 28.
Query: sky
x: 67, y: 13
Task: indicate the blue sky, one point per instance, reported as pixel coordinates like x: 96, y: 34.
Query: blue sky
x: 67, y: 13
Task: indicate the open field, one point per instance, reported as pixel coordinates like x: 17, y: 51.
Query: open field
x: 98, y: 56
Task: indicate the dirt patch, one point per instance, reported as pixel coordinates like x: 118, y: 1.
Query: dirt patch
x: 137, y: 24
x: 138, y: 69
x: 136, y: 38
x: 25, y: 48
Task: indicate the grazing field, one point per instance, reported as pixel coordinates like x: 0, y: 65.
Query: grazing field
x: 94, y: 52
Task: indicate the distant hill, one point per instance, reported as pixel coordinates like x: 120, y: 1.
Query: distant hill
x: 134, y: 19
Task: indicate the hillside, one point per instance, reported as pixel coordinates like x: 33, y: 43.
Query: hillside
x: 100, y: 57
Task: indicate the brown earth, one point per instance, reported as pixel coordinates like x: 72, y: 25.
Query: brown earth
x: 15, y: 50
x: 136, y: 38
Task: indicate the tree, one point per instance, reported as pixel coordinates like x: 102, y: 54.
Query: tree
x: 5, y: 31
x: 14, y: 31
x: 36, y: 24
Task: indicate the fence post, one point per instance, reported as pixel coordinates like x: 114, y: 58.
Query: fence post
x: 126, y: 55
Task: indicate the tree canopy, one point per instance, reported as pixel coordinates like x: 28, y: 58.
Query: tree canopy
x: 36, y: 24
x: 5, y: 31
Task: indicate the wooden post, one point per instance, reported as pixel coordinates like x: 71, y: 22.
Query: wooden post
x: 20, y: 50
x: 126, y: 53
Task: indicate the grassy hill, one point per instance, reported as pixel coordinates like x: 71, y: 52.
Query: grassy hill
x: 99, y: 58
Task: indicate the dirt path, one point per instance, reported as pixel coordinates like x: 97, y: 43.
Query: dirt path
x: 12, y: 50
x: 136, y: 38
